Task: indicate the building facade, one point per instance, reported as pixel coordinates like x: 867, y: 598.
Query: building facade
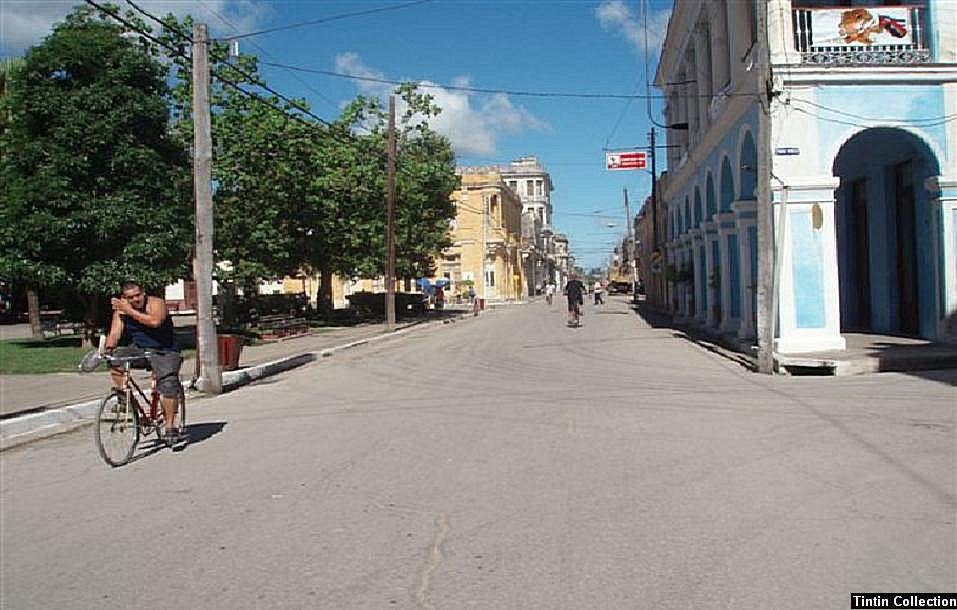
x: 864, y: 194
x: 529, y: 179
x: 486, y: 237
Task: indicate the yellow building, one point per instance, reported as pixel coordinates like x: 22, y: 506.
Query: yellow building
x: 341, y: 287
x: 486, y: 238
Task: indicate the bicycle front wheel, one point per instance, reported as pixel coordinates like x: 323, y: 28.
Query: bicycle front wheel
x: 117, y: 429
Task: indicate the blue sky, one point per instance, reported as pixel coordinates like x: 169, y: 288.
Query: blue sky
x: 514, y: 45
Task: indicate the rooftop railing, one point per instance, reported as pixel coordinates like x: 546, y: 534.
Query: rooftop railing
x: 861, y: 35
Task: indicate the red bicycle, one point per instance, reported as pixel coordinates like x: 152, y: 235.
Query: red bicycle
x: 126, y: 414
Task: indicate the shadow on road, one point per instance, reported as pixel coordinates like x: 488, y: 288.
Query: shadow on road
x: 193, y: 433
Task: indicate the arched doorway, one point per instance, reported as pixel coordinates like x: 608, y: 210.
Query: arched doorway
x: 886, y: 251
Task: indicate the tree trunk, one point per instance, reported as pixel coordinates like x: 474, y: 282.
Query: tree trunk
x: 91, y: 308
x: 228, y: 305
x: 324, y: 298
x: 33, y: 311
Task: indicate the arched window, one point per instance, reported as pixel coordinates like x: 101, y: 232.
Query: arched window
x: 749, y: 168
x: 697, y: 207
x: 727, y: 185
x: 710, y: 204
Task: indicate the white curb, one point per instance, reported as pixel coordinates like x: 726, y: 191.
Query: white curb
x: 32, y: 426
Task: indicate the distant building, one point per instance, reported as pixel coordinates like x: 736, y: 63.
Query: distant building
x: 486, y: 238
x: 529, y: 179
x: 863, y: 118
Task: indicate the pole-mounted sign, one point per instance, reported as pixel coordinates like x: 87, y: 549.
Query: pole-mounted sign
x: 626, y: 160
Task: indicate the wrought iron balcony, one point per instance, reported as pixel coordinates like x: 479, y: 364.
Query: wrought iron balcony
x: 861, y: 35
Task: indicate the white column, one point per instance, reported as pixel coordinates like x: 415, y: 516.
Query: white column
x: 690, y: 286
x: 710, y: 237
x: 745, y: 218
x: 700, y: 275
x: 808, y: 297
x: 726, y: 228
x: 781, y: 33
x: 669, y: 283
x: 945, y: 210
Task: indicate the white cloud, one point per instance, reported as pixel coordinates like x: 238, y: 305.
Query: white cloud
x: 25, y: 24
x: 617, y: 17
x: 473, y: 130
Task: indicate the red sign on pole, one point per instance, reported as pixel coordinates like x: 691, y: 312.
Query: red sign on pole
x: 626, y: 160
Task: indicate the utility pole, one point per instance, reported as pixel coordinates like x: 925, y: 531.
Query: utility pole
x: 765, y: 213
x: 390, y: 225
x: 632, y: 258
x: 210, y: 378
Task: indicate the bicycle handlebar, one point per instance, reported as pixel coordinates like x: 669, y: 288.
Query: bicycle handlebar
x: 120, y: 359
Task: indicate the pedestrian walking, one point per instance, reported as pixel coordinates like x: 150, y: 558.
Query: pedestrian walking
x: 599, y: 297
x: 549, y: 293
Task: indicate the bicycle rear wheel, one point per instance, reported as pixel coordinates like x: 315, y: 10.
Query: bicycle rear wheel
x: 117, y: 429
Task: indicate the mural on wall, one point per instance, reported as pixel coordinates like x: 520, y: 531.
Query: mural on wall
x: 860, y: 26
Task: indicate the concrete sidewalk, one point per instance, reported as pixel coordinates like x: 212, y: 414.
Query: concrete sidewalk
x: 34, y: 406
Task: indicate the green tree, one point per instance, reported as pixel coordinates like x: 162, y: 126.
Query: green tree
x: 425, y: 179
x: 95, y: 188
x: 9, y: 66
x: 296, y: 194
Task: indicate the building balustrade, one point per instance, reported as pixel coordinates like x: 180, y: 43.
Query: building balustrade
x: 861, y: 35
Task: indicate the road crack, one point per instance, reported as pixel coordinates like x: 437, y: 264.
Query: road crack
x: 423, y: 594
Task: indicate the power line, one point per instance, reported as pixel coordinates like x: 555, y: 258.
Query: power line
x: 159, y: 21
x: 515, y: 92
x: 253, y: 80
x: 176, y: 52
x: 862, y: 125
x: 262, y: 50
x: 933, y: 120
x: 301, y: 24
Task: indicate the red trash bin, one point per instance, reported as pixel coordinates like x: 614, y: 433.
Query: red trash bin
x: 482, y: 304
x: 230, y: 346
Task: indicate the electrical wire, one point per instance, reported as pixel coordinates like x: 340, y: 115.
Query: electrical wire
x: 159, y: 21
x: 253, y: 80
x: 301, y: 24
x: 862, y: 125
x: 934, y: 120
x: 176, y: 52
x: 266, y: 53
x: 515, y: 92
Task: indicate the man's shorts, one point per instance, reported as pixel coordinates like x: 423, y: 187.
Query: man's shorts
x: 573, y: 304
x: 165, y: 366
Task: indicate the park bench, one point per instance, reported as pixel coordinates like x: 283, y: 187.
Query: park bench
x: 52, y: 323
x: 277, y: 326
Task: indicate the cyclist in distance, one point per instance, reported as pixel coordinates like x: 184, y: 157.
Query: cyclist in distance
x: 575, y: 292
x: 143, y: 322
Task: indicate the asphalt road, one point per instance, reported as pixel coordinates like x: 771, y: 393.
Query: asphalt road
x: 505, y: 462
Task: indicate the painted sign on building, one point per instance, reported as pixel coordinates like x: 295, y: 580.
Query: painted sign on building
x: 626, y: 160
x: 877, y: 25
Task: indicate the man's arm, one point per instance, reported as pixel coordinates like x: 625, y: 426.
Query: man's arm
x: 116, y: 331
x: 153, y: 316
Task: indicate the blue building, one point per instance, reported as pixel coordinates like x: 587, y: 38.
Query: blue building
x: 863, y: 116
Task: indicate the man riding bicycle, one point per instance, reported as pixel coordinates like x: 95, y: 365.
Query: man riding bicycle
x: 144, y: 322
x: 575, y: 292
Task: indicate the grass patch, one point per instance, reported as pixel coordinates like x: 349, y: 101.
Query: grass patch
x: 25, y: 356
x: 53, y: 355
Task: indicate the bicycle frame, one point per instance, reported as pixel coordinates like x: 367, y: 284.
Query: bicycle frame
x: 154, y: 417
